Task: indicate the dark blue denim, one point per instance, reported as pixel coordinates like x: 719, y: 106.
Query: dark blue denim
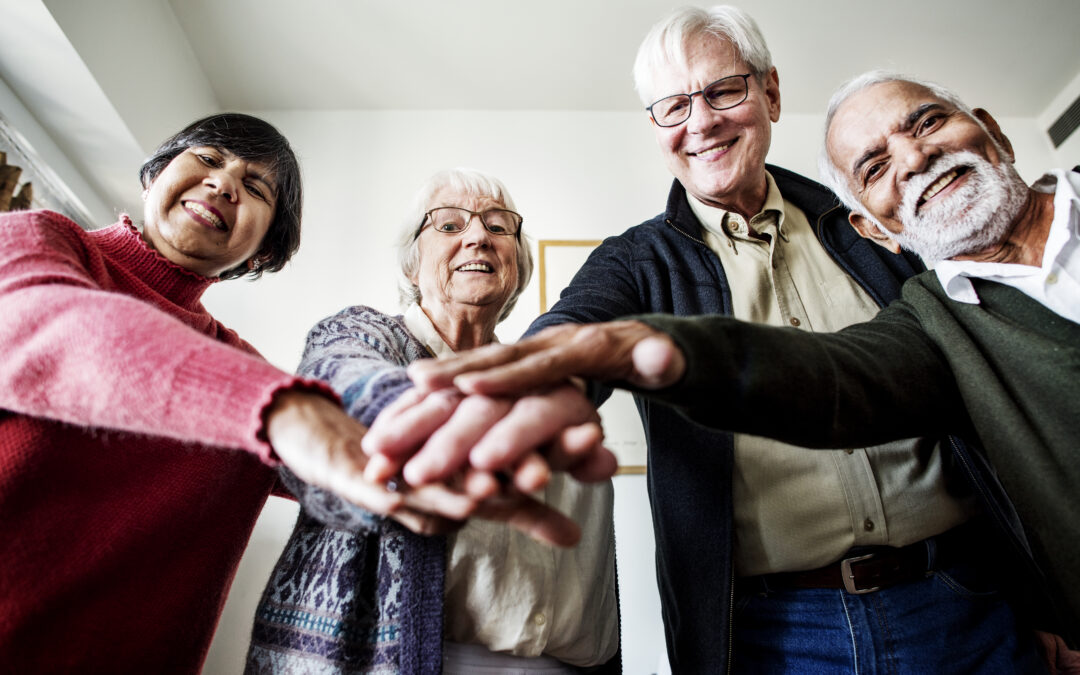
x: 954, y: 621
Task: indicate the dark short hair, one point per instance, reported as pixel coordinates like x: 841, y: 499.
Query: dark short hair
x: 253, y: 139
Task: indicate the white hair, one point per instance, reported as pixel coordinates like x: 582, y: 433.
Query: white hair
x: 463, y: 181
x: 831, y: 175
x: 666, y: 42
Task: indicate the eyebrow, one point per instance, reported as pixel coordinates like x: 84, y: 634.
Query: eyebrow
x: 264, y: 178
x: 909, y: 122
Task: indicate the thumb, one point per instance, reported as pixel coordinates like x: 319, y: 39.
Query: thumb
x: 658, y: 363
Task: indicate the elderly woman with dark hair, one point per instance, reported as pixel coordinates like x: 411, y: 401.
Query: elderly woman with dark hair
x: 137, y: 433
x: 354, y: 592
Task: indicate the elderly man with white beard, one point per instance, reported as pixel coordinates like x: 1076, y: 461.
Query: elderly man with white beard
x: 985, y: 346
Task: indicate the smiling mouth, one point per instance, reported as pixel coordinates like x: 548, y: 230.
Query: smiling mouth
x: 476, y: 267
x: 714, y: 151
x: 941, y: 183
x: 207, y: 215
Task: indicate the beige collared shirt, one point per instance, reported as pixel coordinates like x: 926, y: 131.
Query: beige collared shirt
x: 511, y: 594
x: 795, y: 508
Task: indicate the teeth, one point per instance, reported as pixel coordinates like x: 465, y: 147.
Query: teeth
x: 938, y: 185
x: 475, y: 267
x: 206, y: 214
x: 712, y: 151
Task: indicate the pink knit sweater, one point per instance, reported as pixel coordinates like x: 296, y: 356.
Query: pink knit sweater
x: 132, y: 467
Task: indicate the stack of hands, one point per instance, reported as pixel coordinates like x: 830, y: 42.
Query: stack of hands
x: 484, y: 429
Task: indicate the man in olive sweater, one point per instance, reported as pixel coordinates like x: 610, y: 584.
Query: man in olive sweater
x: 986, y: 346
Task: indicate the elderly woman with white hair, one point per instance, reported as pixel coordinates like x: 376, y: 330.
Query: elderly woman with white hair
x: 357, y: 592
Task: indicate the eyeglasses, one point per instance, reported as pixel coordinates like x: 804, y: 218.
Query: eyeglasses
x: 455, y: 220
x: 727, y: 92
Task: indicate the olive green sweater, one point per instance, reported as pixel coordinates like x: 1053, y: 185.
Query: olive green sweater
x: 1004, y: 373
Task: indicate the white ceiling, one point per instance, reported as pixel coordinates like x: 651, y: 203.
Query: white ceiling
x: 108, y: 79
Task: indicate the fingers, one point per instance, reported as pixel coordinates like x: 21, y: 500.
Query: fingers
x: 430, y: 374
x: 531, y: 473
x: 439, y: 500
x: 531, y: 517
x: 404, y: 425
x: 426, y: 524
x: 658, y: 362
x: 447, y: 449
x: 580, y: 451
x: 532, y: 422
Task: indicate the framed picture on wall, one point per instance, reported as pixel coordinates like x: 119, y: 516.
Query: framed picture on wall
x: 559, y: 260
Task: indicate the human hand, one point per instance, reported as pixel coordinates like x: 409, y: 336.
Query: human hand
x: 435, y: 434
x: 320, y: 444
x: 628, y: 351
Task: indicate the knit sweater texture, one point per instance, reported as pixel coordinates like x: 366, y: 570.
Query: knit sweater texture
x: 131, y: 463
x: 353, y: 592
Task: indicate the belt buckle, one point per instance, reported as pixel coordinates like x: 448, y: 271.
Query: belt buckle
x: 849, y: 577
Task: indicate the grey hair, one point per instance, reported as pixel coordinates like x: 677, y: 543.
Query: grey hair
x: 666, y: 42
x: 831, y: 175
x: 464, y: 181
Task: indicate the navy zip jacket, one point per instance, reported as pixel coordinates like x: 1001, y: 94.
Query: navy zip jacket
x: 664, y: 266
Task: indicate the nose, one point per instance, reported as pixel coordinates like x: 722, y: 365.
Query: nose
x: 476, y: 234
x: 913, y: 156
x: 703, y: 116
x: 222, y: 181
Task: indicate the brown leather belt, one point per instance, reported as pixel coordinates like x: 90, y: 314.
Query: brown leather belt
x: 868, y: 569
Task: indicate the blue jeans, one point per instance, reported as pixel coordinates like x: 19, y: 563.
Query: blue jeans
x: 954, y: 621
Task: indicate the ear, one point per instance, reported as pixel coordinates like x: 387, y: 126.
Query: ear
x: 772, y: 94
x: 145, y: 194
x: 869, y: 230
x: 995, y: 130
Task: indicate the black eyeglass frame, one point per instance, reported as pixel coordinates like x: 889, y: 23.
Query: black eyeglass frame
x: 468, y: 223
x: 690, y: 107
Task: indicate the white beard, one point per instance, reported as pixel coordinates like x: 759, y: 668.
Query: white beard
x: 976, y: 216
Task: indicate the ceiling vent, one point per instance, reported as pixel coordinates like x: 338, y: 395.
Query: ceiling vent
x: 1066, y: 124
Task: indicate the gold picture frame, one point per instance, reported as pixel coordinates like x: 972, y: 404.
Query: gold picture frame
x: 559, y: 260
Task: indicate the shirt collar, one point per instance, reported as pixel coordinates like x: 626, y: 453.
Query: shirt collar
x: 712, y: 217
x: 955, y: 275
x: 423, y: 330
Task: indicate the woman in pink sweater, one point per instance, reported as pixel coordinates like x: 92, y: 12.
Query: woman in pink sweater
x: 137, y: 433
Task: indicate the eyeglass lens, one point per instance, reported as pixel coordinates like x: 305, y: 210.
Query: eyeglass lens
x: 725, y: 93
x: 450, y: 220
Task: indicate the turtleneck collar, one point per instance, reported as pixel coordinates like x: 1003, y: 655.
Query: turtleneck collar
x: 123, y: 239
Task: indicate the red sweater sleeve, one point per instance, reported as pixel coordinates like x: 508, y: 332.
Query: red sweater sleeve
x: 84, y: 341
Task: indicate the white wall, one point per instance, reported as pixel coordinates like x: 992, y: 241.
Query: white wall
x: 573, y: 175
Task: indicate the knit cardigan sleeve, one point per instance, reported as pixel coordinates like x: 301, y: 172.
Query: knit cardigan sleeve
x: 362, y: 354
x: 76, y: 346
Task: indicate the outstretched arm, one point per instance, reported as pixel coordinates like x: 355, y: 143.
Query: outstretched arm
x: 362, y: 354
x: 867, y: 384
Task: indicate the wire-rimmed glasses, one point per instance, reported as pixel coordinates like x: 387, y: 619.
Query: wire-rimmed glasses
x: 455, y: 220
x: 727, y: 92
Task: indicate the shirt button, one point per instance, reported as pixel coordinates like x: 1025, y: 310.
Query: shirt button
x: 1051, y: 279
x: 868, y: 525
x: 540, y: 619
x: 795, y: 321
x: 849, y: 450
